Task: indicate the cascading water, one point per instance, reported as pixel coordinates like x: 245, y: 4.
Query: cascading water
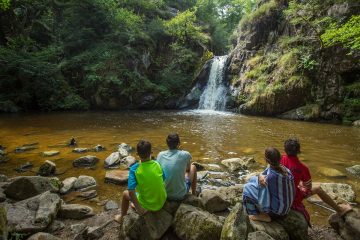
x: 214, y: 95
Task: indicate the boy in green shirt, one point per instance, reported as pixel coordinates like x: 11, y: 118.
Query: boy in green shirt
x: 146, y: 189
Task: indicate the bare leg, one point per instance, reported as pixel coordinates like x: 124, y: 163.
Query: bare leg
x: 341, y: 209
x: 262, y: 217
x: 192, y: 175
x: 124, y: 207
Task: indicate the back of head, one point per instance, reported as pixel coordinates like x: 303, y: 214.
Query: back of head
x: 272, y: 156
x: 143, y: 149
x: 173, y: 141
x: 292, y: 147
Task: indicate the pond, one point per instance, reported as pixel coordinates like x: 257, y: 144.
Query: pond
x: 209, y: 136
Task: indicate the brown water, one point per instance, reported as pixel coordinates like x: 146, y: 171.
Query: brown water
x: 209, y: 137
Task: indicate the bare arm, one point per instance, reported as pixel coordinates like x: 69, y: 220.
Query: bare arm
x: 136, y: 203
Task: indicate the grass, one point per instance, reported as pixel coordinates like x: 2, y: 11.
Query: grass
x: 264, y: 9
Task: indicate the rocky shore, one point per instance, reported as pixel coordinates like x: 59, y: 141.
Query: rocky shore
x: 33, y: 207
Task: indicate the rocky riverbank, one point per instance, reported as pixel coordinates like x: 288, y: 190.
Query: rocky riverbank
x: 41, y: 207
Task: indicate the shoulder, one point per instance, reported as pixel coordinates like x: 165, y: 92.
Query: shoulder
x: 185, y: 153
x: 134, y: 167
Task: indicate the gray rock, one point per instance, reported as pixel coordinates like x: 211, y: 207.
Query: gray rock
x: 47, y: 169
x: 68, y: 184
x: 348, y: 226
x: 86, y: 161
x: 201, y: 175
x: 24, y: 149
x: 25, y: 187
x: 80, y: 150
x: 43, y: 236
x: 83, y: 182
x: 193, y: 201
x: 128, y: 161
x: 356, y: 123
x: 117, y: 176
x: 50, y: 153
x: 152, y: 225
x: 194, y: 223
x: 310, y: 112
x: 110, y: 205
x: 49, y: 205
x: 33, y: 214
x: 341, y: 190
x: 3, y: 178
x: 112, y: 160
x: 4, y: 229
x: 354, y: 170
x: 124, y: 150
x: 2, y: 152
x: 88, y: 194
x: 213, y: 201
x: 259, y: 235
x: 232, y: 194
x: 125, y: 146
x: 99, y: 148
x: 235, y: 164
x: 236, y: 226
x: 94, y: 233
x: 274, y: 229
x: 75, y: 211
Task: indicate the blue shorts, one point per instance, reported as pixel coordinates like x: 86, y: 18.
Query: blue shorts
x: 188, y: 184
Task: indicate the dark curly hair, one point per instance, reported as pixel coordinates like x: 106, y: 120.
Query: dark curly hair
x: 292, y: 147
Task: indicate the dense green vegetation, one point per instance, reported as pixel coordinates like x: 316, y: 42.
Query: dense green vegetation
x: 109, y: 54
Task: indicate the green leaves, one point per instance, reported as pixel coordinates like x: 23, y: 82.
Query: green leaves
x: 4, y: 4
x: 347, y: 34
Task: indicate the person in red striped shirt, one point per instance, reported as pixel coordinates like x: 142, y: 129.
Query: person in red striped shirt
x: 303, y: 182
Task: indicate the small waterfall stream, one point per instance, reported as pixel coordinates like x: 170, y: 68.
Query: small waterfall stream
x: 214, y: 95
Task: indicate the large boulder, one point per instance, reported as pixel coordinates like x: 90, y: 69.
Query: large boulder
x: 68, y: 184
x: 339, y: 190
x: 86, y: 161
x: 112, y: 160
x: 354, y: 170
x: 117, y: 176
x: 75, y: 211
x: 152, y: 225
x: 236, y: 226
x: 192, y: 223
x: 295, y: 225
x: 43, y: 236
x: 348, y: 226
x: 33, y: 214
x: 274, y: 229
x: 235, y: 164
x: 84, y: 182
x: 25, y: 187
x: 213, y: 201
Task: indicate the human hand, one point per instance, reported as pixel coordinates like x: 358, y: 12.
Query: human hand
x: 262, y: 180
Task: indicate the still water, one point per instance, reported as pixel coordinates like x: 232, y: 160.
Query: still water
x: 209, y: 136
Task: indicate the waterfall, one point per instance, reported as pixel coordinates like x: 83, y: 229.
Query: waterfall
x: 214, y: 95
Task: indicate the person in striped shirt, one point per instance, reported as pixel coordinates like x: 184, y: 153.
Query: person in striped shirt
x: 303, y: 182
x: 273, y: 199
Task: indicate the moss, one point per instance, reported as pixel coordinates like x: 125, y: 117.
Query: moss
x: 252, y: 62
x: 264, y: 9
x: 351, y: 109
x: 353, y: 90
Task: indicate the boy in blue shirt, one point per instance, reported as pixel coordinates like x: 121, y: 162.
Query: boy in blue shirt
x: 180, y: 173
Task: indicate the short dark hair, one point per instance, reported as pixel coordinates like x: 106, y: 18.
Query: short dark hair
x: 272, y: 156
x: 143, y: 149
x: 292, y: 147
x: 173, y: 140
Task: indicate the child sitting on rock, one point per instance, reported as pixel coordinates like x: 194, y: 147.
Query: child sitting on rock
x: 146, y: 189
x: 274, y: 199
x: 303, y: 182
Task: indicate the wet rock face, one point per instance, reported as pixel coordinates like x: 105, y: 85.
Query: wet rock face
x: 323, y: 85
x: 236, y: 226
